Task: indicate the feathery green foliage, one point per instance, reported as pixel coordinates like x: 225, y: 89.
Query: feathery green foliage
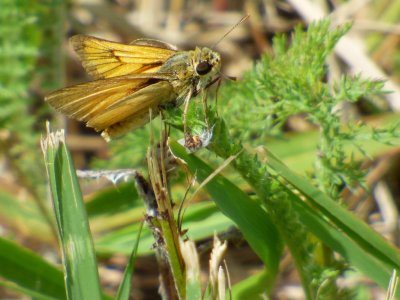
x: 291, y: 82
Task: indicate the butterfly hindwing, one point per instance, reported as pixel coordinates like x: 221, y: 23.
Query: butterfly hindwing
x: 108, y: 103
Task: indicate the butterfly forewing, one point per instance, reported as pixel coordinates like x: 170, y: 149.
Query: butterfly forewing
x: 105, y: 59
x: 154, y: 43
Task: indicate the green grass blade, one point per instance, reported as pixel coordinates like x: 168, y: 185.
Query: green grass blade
x: 196, y: 215
x: 297, y: 150
x: 24, y: 216
x: 251, y: 287
x: 125, y: 287
x: 123, y: 198
x: 82, y: 279
x: 29, y: 271
x: 343, y: 231
x: 370, y: 265
x: 251, y: 219
x: 23, y: 291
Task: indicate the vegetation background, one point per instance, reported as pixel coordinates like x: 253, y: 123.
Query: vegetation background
x: 274, y: 107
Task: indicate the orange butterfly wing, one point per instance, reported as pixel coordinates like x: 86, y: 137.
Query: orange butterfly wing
x: 115, y: 105
x: 127, y: 86
x: 105, y: 59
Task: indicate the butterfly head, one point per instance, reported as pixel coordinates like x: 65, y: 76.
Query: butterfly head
x: 207, y: 64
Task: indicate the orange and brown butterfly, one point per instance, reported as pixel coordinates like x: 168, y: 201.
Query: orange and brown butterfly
x: 130, y: 80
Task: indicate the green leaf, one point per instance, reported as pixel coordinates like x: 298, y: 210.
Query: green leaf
x: 339, y: 228
x: 297, y: 150
x: 196, y: 215
x: 82, y: 279
x: 125, y: 287
x: 252, y: 287
x: 25, y: 217
x: 370, y: 265
x: 112, y: 200
x: 16, y: 288
x: 29, y: 271
x: 251, y: 219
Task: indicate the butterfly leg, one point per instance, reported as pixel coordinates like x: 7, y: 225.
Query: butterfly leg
x: 216, y: 96
x: 185, y: 111
x: 205, y: 107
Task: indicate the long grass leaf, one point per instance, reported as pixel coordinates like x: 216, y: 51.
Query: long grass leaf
x: 30, y: 272
x: 339, y: 228
x: 79, y: 260
x: 251, y: 219
x: 125, y: 287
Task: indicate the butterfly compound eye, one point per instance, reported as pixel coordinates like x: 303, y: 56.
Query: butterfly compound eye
x: 203, y: 67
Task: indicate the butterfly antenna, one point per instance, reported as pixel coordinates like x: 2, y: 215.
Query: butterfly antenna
x: 224, y: 76
x: 230, y: 30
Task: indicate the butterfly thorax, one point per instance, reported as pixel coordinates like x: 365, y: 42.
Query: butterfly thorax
x: 193, y: 70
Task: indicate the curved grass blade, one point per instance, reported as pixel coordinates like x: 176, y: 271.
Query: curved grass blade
x: 18, y: 289
x: 339, y: 228
x: 126, y: 284
x: 31, y: 273
x: 196, y: 215
x: 79, y: 260
x: 252, y: 287
x: 251, y: 219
